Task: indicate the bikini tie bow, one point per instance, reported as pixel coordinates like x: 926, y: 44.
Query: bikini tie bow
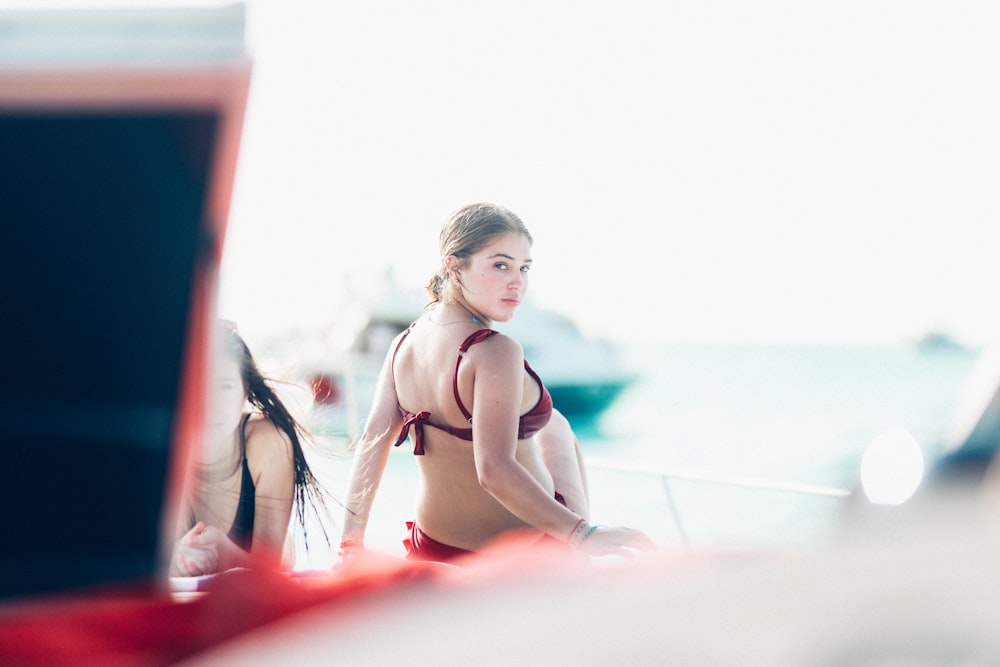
x: 417, y: 421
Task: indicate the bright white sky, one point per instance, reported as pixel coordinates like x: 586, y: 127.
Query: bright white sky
x: 737, y: 169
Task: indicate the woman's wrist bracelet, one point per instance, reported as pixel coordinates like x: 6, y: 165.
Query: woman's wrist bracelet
x: 347, y: 546
x: 579, y: 533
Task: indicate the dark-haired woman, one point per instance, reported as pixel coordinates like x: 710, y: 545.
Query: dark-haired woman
x: 248, y: 474
x: 493, y: 455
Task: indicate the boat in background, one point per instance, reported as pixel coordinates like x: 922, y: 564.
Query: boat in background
x: 939, y: 341
x: 583, y: 374
x: 341, y: 362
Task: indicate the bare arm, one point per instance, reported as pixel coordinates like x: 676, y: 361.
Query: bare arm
x: 371, y: 455
x: 497, y: 396
x: 272, y: 465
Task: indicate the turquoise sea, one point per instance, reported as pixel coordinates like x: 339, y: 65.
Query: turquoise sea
x: 802, y: 414
x: 793, y: 413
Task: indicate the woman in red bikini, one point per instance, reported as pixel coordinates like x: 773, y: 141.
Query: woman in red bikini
x: 493, y: 456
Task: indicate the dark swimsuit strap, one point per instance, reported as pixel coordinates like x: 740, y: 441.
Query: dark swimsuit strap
x: 399, y: 343
x: 241, y: 532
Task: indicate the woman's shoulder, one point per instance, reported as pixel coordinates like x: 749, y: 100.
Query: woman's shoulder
x: 433, y: 340
x: 494, y: 346
x: 264, y: 437
x: 269, y: 453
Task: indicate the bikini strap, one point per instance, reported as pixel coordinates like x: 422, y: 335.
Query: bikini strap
x: 399, y: 343
x: 476, y: 337
x: 241, y: 531
x: 243, y: 435
x: 192, y: 519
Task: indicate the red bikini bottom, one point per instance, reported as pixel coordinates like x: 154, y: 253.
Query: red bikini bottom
x: 420, y: 546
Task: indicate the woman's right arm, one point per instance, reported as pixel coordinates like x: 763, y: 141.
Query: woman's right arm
x: 498, y: 392
x: 497, y: 395
x: 370, y: 456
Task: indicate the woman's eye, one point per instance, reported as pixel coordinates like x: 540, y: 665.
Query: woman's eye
x: 501, y: 265
x: 525, y: 268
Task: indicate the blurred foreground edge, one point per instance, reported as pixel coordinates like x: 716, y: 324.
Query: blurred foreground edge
x: 119, y: 133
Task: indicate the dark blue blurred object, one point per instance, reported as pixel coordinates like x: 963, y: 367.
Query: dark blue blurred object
x: 112, y: 179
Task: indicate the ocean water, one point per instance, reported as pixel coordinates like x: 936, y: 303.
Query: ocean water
x: 801, y: 414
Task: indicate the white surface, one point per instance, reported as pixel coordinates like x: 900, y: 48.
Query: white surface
x: 908, y: 586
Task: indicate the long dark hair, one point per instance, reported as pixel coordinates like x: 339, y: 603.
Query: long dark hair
x: 308, y: 490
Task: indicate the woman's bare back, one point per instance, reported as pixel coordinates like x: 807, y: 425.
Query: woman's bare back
x: 452, y: 505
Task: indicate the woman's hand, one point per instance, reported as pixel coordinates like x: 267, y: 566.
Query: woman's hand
x: 202, y: 550
x: 617, y: 541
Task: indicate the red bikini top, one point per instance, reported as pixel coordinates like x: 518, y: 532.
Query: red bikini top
x: 528, y: 424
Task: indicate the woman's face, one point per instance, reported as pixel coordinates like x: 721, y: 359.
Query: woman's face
x: 226, y: 398
x: 494, y: 280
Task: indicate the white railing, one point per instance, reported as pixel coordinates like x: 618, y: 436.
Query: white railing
x: 668, y: 473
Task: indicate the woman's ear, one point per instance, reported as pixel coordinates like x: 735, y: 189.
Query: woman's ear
x: 452, y: 265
